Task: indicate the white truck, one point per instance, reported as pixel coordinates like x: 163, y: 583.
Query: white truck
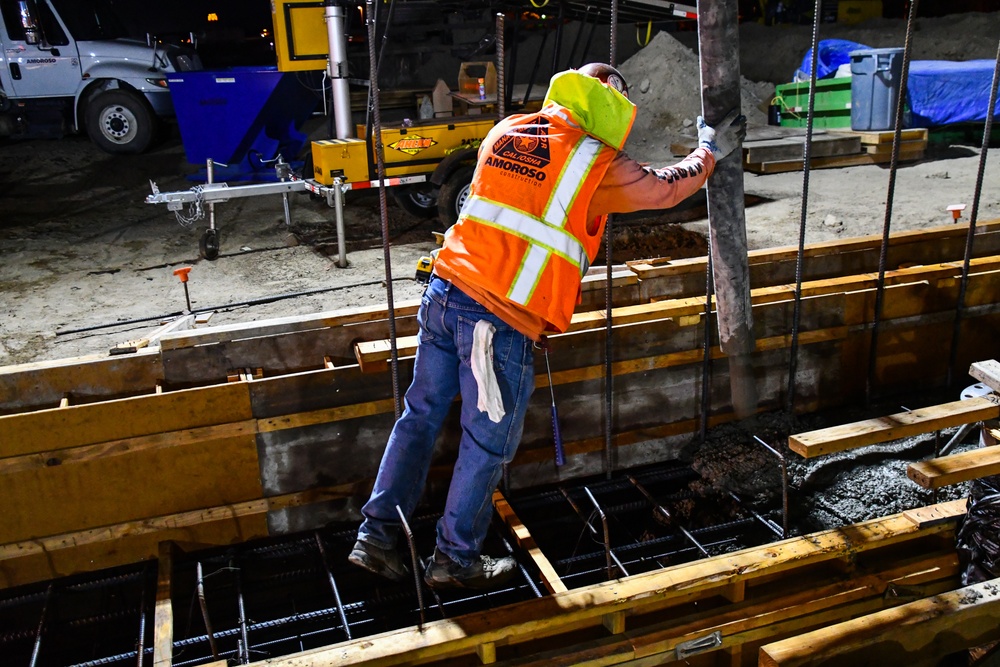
x: 67, y: 65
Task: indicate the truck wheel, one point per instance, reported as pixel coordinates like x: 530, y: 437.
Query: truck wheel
x: 120, y: 121
x: 417, y: 200
x: 453, y: 194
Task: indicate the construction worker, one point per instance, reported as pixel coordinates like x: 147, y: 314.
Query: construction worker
x: 509, y: 273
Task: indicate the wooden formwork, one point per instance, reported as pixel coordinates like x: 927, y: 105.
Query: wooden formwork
x: 225, y: 434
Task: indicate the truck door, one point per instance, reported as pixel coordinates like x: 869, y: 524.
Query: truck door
x: 50, y: 68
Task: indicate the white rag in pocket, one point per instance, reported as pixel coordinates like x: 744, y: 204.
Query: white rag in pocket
x: 490, y: 400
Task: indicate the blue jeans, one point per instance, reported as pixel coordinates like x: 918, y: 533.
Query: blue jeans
x: 442, y: 369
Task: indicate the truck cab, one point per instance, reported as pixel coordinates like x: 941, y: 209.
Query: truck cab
x: 69, y: 64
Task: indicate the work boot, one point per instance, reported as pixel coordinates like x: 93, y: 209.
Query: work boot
x: 383, y: 562
x: 483, y: 573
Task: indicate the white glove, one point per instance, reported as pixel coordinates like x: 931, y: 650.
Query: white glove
x: 725, y: 137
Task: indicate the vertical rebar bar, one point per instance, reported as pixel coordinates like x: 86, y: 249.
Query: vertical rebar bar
x: 244, y: 642
x: 607, y: 533
x: 415, y: 562
x: 706, y: 361
x: 501, y: 87
x: 379, y: 149
x: 793, y: 352
x: 203, y: 603
x: 893, y: 165
x: 141, y: 644
x: 964, y: 284
x: 784, y: 484
x: 608, y: 303
x: 41, y: 625
x: 333, y: 585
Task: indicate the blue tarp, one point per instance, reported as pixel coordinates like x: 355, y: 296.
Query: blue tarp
x: 939, y: 92
x: 832, y: 54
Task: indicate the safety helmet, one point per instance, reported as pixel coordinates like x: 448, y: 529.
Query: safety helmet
x: 607, y: 74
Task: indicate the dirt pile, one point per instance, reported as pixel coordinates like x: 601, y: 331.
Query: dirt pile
x: 665, y: 83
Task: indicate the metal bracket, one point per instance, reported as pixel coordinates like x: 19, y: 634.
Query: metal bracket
x: 700, y: 645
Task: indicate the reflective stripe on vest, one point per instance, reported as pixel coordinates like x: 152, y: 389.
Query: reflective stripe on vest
x: 545, y: 236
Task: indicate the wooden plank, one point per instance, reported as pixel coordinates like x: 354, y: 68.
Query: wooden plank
x: 934, y: 626
x: 892, y: 427
x: 956, y: 468
x: 527, y: 543
x: 283, y: 325
x: 791, y: 148
x: 904, y: 147
x: 134, y: 541
x: 163, y: 616
x: 77, y: 425
x: 886, y: 136
x: 833, y: 162
x: 987, y: 372
x: 532, y: 619
x: 940, y: 513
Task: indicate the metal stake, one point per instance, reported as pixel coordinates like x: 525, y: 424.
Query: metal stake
x: 203, y: 603
x: 415, y: 562
x: 333, y: 585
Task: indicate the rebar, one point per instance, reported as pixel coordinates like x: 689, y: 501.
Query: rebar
x: 770, y: 525
x: 964, y: 284
x: 666, y: 514
x: 140, y: 645
x: 203, y: 603
x: 893, y: 165
x: 784, y: 485
x: 501, y: 87
x: 376, y: 113
x: 793, y: 354
x: 244, y: 641
x: 415, y: 561
x: 607, y: 534
x: 41, y: 625
x: 706, y: 350
x: 333, y: 585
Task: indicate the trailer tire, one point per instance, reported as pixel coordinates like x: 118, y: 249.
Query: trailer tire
x: 418, y: 200
x: 121, y: 121
x: 209, y: 245
x: 453, y: 194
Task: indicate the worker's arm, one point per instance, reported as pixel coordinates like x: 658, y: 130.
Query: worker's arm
x: 628, y: 186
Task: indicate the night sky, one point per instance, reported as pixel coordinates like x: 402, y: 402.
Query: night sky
x: 182, y: 16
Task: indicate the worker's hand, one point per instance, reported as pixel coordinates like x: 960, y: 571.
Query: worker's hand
x: 725, y: 137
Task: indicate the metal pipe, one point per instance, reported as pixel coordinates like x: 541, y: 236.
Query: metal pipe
x: 415, y: 561
x: 793, y: 358
x: 333, y: 585
x: 383, y: 208
x: 210, y: 178
x: 784, y: 485
x: 203, y: 603
x: 893, y: 165
x: 334, y: 15
x: 964, y: 284
x: 41, y: 624
x: 338, y: 207
x: 501, y: 88
x: 607, y: 533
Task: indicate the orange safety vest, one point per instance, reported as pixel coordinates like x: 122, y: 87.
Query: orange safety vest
x: 522, y: 234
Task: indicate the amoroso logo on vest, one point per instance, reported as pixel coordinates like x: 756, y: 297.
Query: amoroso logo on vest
x: 523, y: 152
